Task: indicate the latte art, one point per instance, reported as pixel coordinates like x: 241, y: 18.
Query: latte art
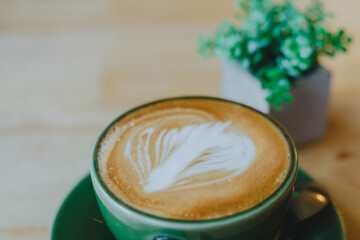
x: 182, y: 156
x: 192, y: 159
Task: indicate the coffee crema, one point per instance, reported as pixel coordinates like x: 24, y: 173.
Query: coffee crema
x: 193, y: 159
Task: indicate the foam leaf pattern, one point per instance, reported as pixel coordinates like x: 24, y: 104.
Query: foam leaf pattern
x: 183, y: 155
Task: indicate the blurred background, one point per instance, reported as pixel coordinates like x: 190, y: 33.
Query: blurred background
x: 68, y: 67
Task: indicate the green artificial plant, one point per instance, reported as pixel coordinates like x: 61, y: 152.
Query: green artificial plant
x: 276, y: 42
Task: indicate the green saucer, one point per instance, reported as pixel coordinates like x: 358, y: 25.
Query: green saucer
x: 79, y: 218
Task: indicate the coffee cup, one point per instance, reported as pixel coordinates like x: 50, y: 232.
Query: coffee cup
x: 194, y: 168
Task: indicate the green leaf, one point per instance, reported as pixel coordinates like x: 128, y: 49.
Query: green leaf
x: 289, y: 47
x: 303, y: 40
x: 284, y: 84
x: 245, y: 63
x: 258, y: 57
x: 276, y: 104
x: 287, y: 97
x: 306, y: 52
x: 252, y: 46
x: 205, y: 45
x: 237, y: 51
x: 274, y: 74
x: 305, y: 64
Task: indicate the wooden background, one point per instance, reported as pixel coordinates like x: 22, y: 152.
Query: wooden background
x: 68, y: 67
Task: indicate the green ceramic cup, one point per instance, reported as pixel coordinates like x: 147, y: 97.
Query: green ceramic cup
x: 260, y: 222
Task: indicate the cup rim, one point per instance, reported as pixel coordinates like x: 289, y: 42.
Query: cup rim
x: 289, y: 180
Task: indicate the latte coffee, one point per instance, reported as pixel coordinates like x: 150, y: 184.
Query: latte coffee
x: 193, y: 158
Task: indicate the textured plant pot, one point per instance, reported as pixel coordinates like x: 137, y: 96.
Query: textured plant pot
x: 305, y: 118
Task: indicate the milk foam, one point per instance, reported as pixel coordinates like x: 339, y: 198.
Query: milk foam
x: 193, y: 159
x: 182, y: 154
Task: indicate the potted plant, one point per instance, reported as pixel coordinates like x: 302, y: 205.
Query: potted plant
x: 271, y: 62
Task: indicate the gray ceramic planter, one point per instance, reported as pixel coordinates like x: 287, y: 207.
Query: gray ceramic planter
x: 305, y: 118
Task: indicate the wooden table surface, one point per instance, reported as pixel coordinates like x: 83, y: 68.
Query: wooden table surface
x: 67, y: 68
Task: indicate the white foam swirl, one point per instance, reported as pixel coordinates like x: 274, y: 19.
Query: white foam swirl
x: 181, y: 155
